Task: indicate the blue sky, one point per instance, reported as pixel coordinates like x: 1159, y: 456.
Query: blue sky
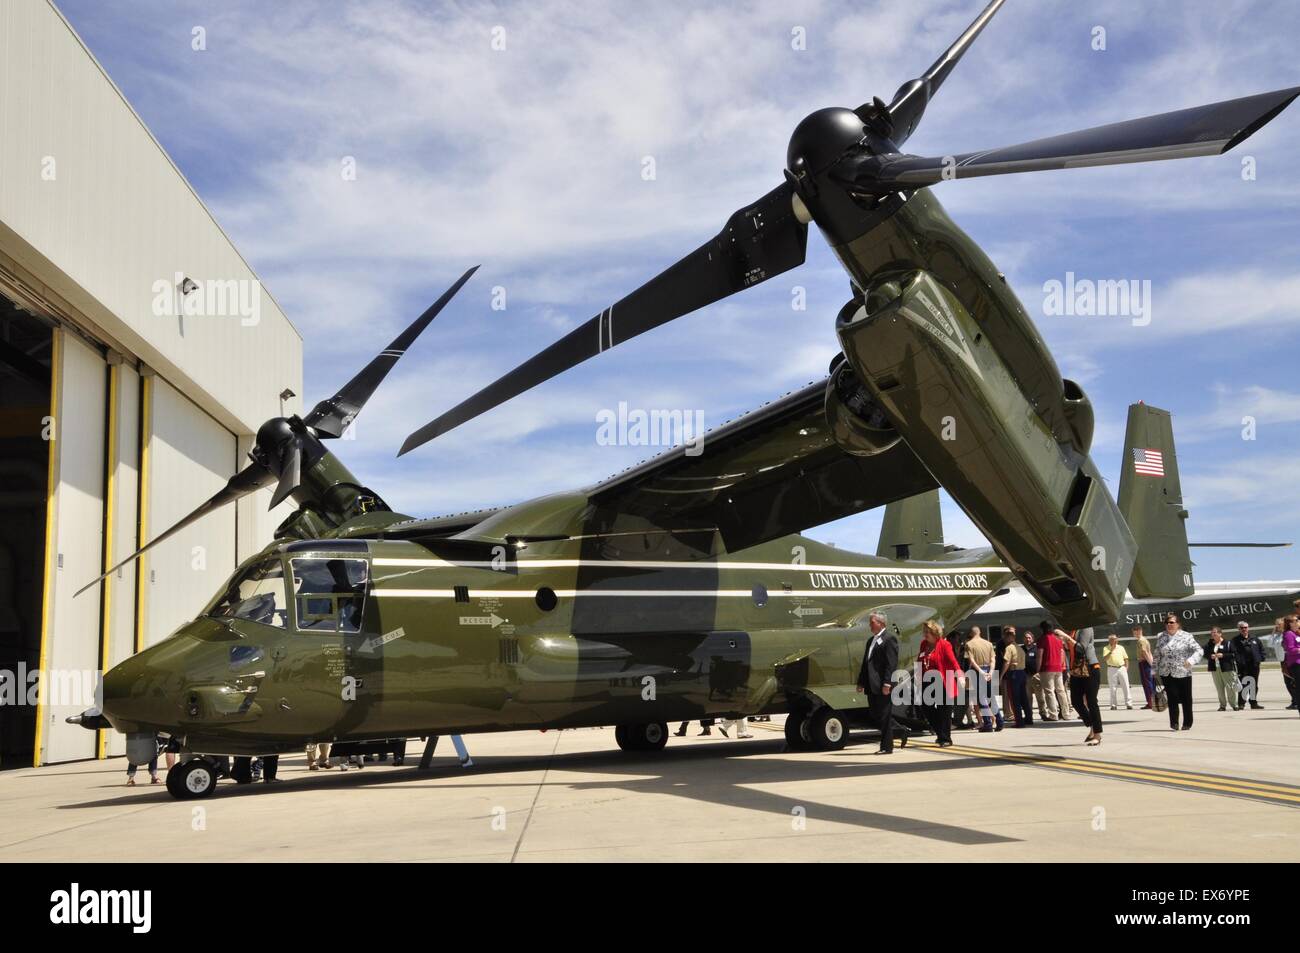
x: 529, y: 159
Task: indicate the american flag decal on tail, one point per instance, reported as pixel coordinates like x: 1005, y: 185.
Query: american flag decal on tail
x: 1148, y: 462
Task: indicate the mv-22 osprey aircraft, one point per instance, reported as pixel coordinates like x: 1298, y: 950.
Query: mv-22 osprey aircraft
x: 679, y: 589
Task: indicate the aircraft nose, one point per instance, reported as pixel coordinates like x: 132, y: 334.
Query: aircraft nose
x: 140, y: 693
x: 125, y: 699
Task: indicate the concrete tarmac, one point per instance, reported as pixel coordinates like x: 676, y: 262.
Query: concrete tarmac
x: 1228, y: 790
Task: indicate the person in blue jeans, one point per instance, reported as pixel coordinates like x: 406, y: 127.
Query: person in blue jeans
x: 153, y: 769
x: 1013, y: 671
x: 983, y: 656
x: 462, y: 752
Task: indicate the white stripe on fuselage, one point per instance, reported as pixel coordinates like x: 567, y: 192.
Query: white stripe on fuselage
x: 676, y: 593
x: 633, y: 564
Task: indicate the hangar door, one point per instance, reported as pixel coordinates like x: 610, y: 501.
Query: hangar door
x: 70, y: 641
x: 189, y: 457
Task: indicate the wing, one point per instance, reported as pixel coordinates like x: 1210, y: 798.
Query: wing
x: 772, y: 472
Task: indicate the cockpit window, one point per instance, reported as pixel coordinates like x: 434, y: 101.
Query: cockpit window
x: 256, y: 596
x: 329, y: 594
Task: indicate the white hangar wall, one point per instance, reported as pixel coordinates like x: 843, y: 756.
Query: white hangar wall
x: 152, y: 411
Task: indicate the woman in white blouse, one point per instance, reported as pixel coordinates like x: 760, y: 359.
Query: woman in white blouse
x: 1176, y: 655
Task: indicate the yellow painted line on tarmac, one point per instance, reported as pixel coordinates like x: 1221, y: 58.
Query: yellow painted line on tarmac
x: 1177, y: 779
x: 1163, y: 772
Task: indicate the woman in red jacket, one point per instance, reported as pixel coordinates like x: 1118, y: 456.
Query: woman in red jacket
x: 938, y: 691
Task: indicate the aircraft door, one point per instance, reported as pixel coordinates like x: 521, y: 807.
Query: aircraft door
x: 327, y: 678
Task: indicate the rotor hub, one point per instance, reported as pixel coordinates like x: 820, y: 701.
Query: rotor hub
x: 274, y: 438
x: 822, y: 138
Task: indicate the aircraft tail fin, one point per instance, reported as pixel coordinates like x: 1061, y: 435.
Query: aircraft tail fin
x: 1151, y: 500
x: 913, y: 528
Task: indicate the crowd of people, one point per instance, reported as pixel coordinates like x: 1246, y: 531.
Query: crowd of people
x: 967, y: 682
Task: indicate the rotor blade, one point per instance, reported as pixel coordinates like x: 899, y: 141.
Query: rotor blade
x: 1200, y: 131
x: 758, y: 242
x: 912, y: 97
x: 333, y: 415
x: 252, y: 477
x: 1240, y: 545
x: 290, y: 473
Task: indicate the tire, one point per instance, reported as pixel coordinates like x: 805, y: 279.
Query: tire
x: 194, y: 779
x: 646, y: 736
x: 173, y: 779
x: 828, y: 730
x: 796, y: 731
x: 651, y: 736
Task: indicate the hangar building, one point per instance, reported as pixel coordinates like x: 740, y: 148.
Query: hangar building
x: 138, y: 356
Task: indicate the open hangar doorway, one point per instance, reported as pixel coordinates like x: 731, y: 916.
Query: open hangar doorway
x: 26, y: 345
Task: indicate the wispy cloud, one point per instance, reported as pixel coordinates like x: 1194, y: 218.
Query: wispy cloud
x: 531, y: 159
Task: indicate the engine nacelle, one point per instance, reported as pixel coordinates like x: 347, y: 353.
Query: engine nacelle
x: 305, y: 523
x: 856, y: 421
x: 1079, y: 416
x: 950, y: 394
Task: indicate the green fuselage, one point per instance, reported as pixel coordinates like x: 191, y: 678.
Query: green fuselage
x: 446, y: 644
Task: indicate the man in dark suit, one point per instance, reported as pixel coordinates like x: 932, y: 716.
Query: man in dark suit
x: 876, y: 679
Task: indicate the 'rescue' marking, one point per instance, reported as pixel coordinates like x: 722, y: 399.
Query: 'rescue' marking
x: 493, y: 620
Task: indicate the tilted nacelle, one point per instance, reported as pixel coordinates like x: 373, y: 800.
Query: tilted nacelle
x: 948, y: 392
x: 1078, y: 415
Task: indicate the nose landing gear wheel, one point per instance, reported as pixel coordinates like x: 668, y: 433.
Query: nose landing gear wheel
x: 652, y: 736
x: 193, y: 779
x: 796, y: 731
x: 828, y: 730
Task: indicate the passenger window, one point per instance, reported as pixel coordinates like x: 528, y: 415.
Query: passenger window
x: 329, y: 594
x: 256, y: 596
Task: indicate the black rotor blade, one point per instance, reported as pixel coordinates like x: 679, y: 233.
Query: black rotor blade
x: 912, y: 97
x: 331, y: 416
x: 1241, y: 545
x: 1200, y: 131
x: 290, y: 473
x: 758, y: 242
x: 253, y: 477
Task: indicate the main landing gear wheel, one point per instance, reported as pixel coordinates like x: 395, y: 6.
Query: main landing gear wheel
x: 650, y: 736
x: 828, y: 730
x: 796, y: 731
x: 193, y: 779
